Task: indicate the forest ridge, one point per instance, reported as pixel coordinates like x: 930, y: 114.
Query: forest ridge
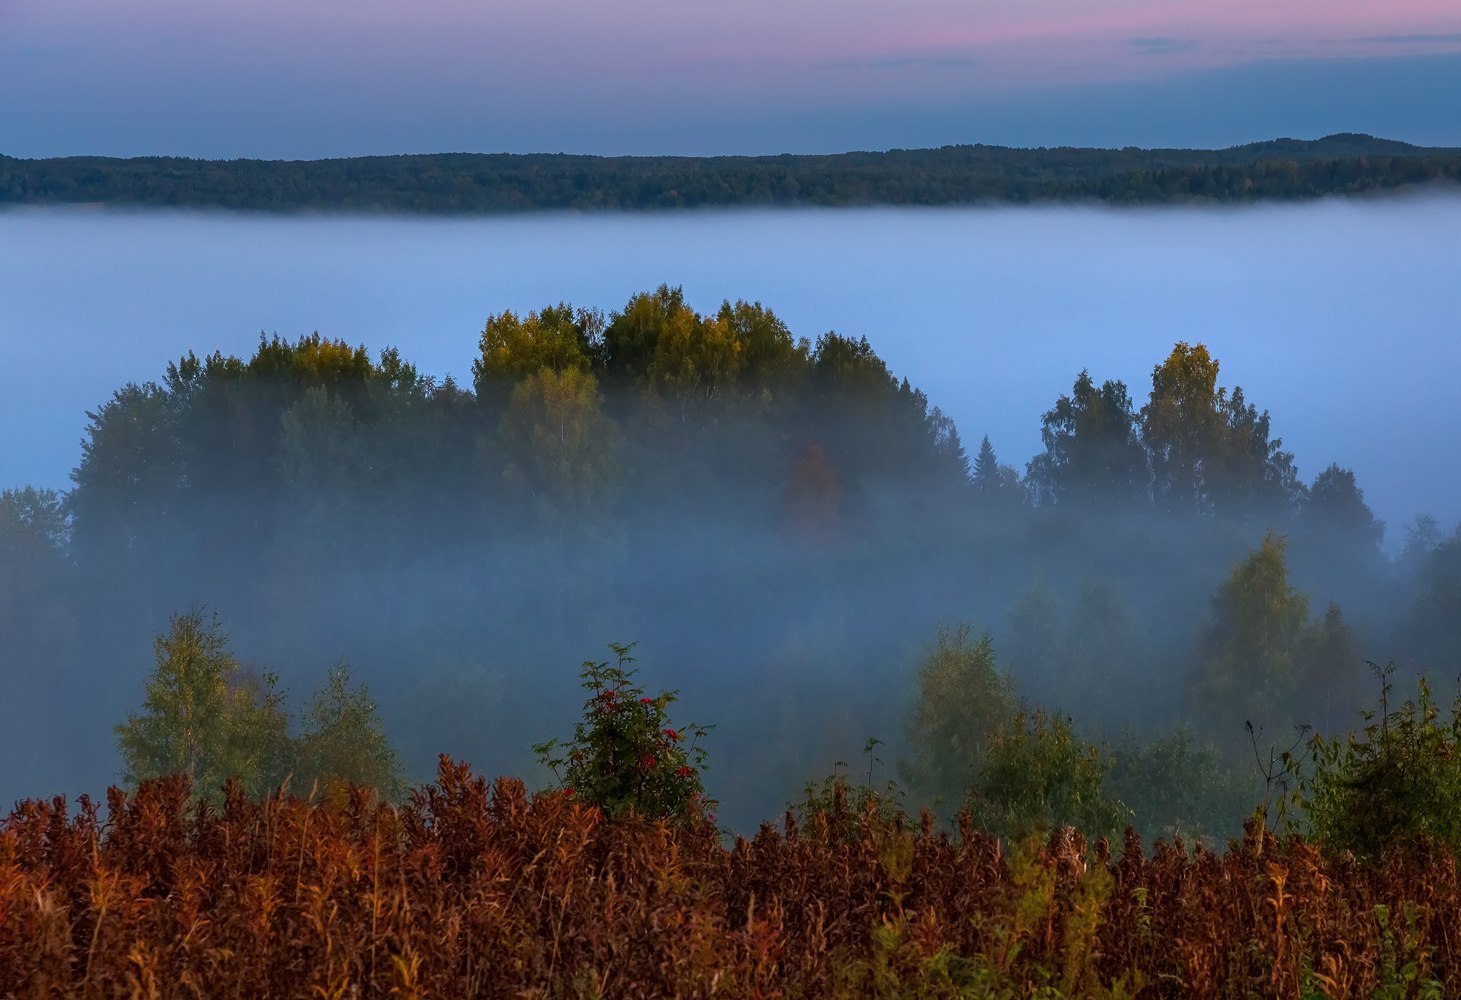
x: 479, y: 183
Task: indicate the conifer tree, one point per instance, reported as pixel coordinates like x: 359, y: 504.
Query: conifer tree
x: 343, y: 741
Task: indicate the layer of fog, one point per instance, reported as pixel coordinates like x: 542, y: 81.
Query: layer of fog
x: 1338, y: 317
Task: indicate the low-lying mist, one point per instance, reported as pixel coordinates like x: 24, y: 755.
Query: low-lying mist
x: 781, y: 525
x: 1336, y: 315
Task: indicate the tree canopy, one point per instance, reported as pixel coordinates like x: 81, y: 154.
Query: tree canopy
x: 456, y: 183
x: 208, y: 718
x: 787, y: 513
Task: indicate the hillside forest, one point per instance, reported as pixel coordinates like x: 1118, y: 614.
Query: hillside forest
x: 477, y: 183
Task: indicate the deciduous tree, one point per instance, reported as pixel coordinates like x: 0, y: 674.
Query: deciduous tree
x: 556, y: 337
x: 560, y: 445
x: 1037, y: 775
x: 963, y: 700
x: 1254, y: 648
x: 205, y: 716
x: 1093, y: 454
x: 1210, y: 450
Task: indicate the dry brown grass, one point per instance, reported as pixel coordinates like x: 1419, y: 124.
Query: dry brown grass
x: 473, y: 890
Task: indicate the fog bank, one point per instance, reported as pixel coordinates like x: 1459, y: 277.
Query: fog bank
x: 1337, y: 316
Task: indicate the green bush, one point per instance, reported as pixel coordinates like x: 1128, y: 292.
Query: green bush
x: 1396, y: 782
x: 1176, y: 786
x: 624, y: 755
x: 847, y: 806
x: 1038, y: 774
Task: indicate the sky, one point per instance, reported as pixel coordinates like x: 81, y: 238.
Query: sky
x: 283, y: 79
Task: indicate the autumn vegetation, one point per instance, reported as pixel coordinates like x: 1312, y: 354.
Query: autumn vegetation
x: 1150, y: 716
x: 620, y: 884
x: 475, y: 890
x: 206, y: 718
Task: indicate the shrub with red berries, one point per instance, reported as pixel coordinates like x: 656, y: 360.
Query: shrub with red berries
x: 624, y: 755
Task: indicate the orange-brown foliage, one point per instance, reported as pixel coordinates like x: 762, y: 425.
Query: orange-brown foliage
x: 478, y: 891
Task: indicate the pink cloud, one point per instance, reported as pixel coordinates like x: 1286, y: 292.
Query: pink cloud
x: 649, y: 53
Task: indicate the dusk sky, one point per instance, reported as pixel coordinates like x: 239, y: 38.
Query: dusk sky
x: 329, y: 77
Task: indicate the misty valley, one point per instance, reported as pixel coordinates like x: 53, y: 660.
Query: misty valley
x: 797, y: 501
x: 682, y: 565
x: 786, y: 527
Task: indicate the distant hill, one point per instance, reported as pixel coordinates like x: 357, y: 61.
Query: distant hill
x: 1331, y: 146
x: 478, y: 183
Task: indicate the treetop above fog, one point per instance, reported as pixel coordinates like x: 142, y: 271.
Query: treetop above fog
x: 780, y: 515
x: 569, y: 406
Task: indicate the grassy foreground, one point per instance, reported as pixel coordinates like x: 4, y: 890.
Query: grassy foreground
x: 474, y: 889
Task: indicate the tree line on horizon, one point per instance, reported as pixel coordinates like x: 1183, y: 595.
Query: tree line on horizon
x: 782, y: 522
x: 472, y: 183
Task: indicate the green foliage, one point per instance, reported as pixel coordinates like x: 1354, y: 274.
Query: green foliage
x: 1404, y: 962
x: 1423, y: 536
x: 1335, y: 510
x: 1333, y: 674
x: 1093, y: 454
x: 205, y: 717
x: 35, y: 569
x: 1210, y: 451
x: 849, y: 807
x: 343, y: 742
x: 963, y: 701
x: 1105, y: 652
x: 1255, y: 647
x: 997, y: 487
x: 594, y: 476
x: 695, y: 357
x: 642, y: 340
x: 32, y: 522
x: 1019, y: 772
x: 560, y: 444
x: 1254, y: 478
x: 458, y: 183
x: 1038, y: 774
x: 323, y: 460
x: 1176, y: 786
x: 1397, y: 782
x: 131, y: 461
x: 556, y: 338
x: 1431, y: 632
x: 1037, y: 651
x: 1181, y: 425
x: 767, y: 351
x: 624, y: 756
